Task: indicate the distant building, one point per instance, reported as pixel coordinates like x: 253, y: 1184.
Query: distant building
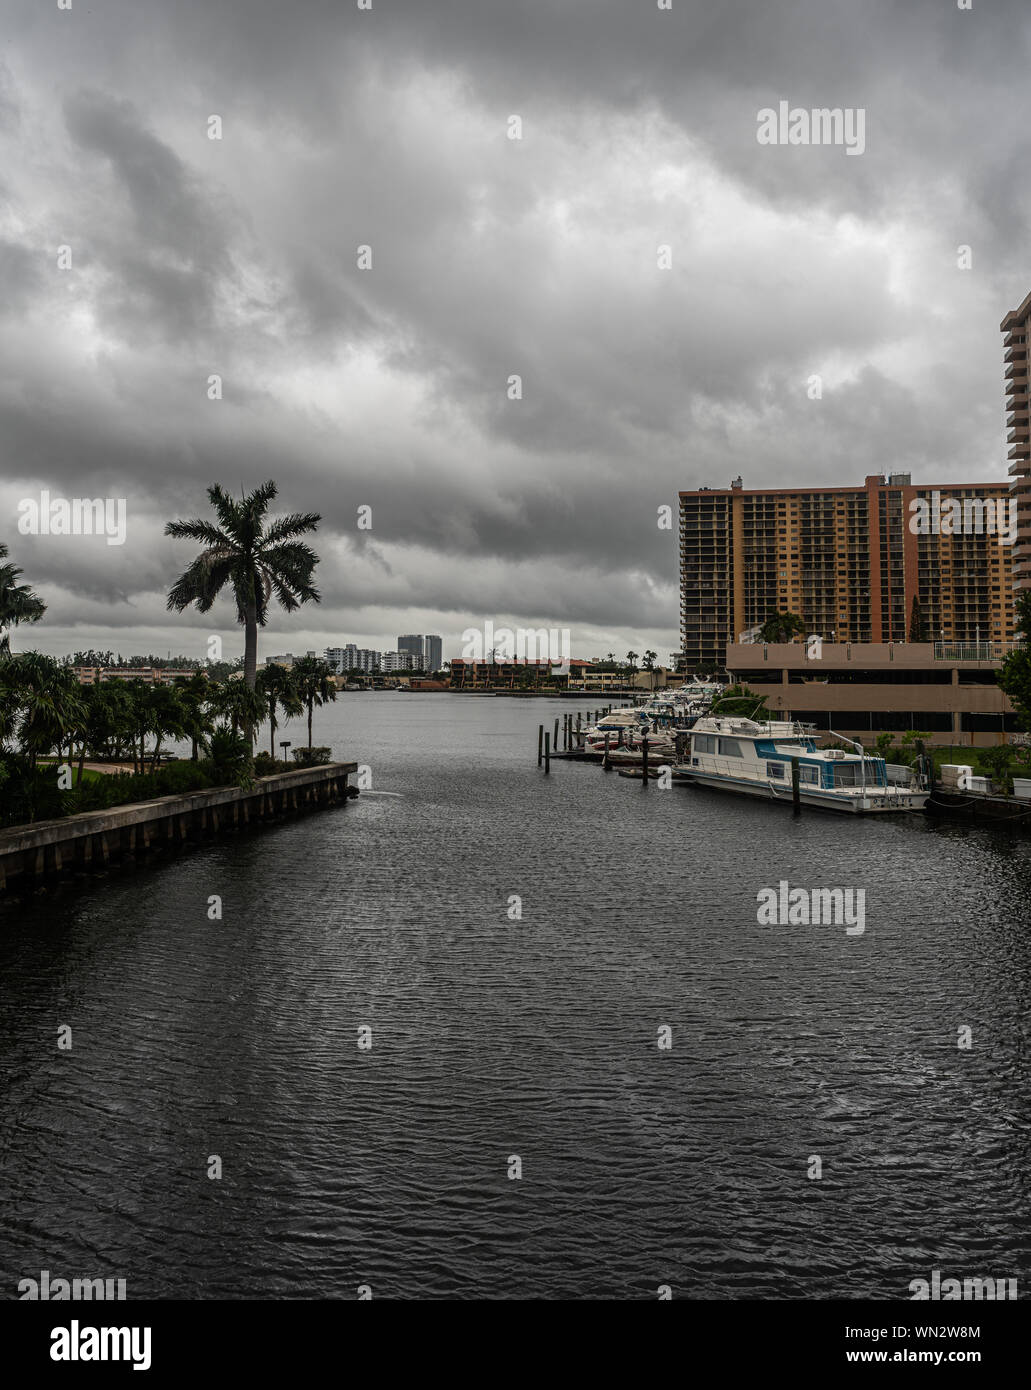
x: 470, y: 675
x: 413, y: 645
x: 850, y: 561
x: 433, y: 653
x: 360, y: 658
x: 399, y: 661
x: 153, y: 675
x: 286, y: 660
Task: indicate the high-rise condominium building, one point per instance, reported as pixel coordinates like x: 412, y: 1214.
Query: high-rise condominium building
x: 433, y: 653
x: 848, y: 560
x: 351, y: 658
x: 399, y: 661
x: 411, y: 644
x: 1015, y: 327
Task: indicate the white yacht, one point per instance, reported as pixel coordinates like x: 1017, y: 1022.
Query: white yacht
x: 742, y: 755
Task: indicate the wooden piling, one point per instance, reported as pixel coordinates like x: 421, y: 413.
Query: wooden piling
x: 540, y: 744
x: 605, y: 760
x: 644, y: 760
x: 796, y: 787
x: 547, y: 751
x: 554, y: 741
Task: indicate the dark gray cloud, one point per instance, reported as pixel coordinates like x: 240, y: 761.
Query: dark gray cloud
x: 490, y: 258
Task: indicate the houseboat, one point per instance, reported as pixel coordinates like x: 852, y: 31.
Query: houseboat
x: 742, y: 755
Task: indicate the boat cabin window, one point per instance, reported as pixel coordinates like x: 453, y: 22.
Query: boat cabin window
x: 704, y: 743
x: 730, y: 748
x: 808, y: 773
x: 775, y: 771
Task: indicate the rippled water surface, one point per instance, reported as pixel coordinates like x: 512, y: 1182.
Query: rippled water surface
x: 537, y: 1037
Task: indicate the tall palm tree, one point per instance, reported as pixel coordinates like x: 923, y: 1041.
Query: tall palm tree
x: 257, y: 559
x: 18, y: 604
x: 277, y: 687
x: 313, y: 685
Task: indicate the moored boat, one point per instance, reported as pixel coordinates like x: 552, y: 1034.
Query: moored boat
x: 755, y: 759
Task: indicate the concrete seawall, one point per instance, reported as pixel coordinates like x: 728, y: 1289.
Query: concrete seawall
x: 32, y: 854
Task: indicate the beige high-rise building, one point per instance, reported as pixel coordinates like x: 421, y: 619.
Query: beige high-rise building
x: 1015, y: 327
x: 848, y: 560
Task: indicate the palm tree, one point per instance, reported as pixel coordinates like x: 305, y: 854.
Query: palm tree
x: 167, y: 717
x: 238, y: 707
x: 277, y: 687
x: 648, y: 662
x: 50, y: 701
x: 631, y: 664
x: 313, y: 685
x: 256, y: 559
x: 781, y: 627
x: 195, y: 693
x: 18, y: 604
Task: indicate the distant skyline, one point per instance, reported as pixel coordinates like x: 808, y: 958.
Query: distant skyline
x: 147, y: 269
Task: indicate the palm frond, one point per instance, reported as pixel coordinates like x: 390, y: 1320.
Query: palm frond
x: 284, y: 528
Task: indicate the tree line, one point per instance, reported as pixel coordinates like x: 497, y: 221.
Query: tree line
x: 50, y: 725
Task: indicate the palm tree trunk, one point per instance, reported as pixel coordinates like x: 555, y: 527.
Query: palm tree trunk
x: 311, y: 708
x: 272, y: 729
x: 250, y: 646
x: 250, y: 666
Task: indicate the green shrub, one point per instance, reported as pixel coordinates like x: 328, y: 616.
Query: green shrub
x: 31, y: 795
x: 229, y: 759
x: 177, y: 778
x: 311, y: 757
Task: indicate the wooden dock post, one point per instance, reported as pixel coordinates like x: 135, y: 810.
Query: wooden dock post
x: 540, y: 744
x: 796, y: 787
x: 605, y: 760
x: 547, y: 751
x: 644, y: 761
x: 554, y: 741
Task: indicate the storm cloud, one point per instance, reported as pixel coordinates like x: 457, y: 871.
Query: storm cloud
x: 491, y: 257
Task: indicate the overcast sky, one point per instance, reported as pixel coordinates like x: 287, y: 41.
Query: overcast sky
x: 491, y: 257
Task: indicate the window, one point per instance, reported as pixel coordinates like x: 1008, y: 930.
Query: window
x: 730, y: 748
x: 808, y: 773
x: 704, y: 743
x: 775, y: 771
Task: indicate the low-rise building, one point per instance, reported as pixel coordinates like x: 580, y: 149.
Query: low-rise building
x: 861, y: 689
x: 472, y: 675
x: 153, y: 675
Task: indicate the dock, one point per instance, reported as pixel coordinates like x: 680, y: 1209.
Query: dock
x: 44, y: 851
x: 979, y: 806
